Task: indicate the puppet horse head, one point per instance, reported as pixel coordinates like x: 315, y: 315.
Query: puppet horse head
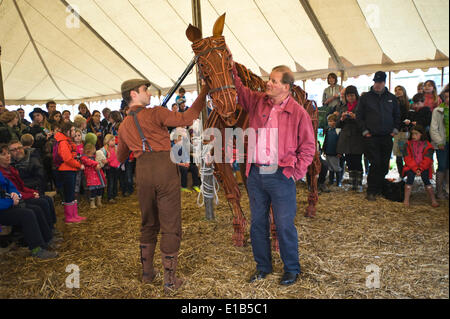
x: 214, y: 63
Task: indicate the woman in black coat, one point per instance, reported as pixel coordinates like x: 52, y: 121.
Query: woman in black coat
x: 351, y: 141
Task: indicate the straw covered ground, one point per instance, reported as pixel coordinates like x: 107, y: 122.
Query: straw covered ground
x: 410, y: 247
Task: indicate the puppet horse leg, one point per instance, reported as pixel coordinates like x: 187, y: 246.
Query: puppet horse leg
x: 313, y: 197
x: 233, y: 195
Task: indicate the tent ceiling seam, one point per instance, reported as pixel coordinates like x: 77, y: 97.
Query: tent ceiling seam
x: 159, y: 35
x: 77, y: 86
x: 273, y: 30
x: 321, y: 32
x: 243, y: 47
x: 370, y: 28
x: 64, y: 2
x: 36, y: 49
x: 70, y: 39
x: 34, y: 87
x: 17, y: 61
x: 424, y: 25
x: 138, y: 47
x: 76, y: 68
x: 176, y: 12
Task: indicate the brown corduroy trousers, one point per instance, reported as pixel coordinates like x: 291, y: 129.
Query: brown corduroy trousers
x: 158, y: 188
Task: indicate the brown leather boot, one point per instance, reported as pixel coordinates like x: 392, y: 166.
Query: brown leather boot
x: 430, y: 193
x: 171, y: 282
x: 147, y: 253
x: 407, y: 195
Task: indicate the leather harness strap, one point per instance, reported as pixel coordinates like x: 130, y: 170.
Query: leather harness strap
x: 143, y: 138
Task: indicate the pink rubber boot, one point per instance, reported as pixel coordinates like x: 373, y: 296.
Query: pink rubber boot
x: 75, y: 212
x: 68, y: 207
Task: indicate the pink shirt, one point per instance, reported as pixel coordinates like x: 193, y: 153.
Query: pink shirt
x: 270, y: 158
x: 430, y: 102
x: 296, y: 142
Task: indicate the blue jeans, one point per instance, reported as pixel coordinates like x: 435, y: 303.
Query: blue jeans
x: 68, y: 182
x: 126, y: 177
x: 278, y: 190
x: 112, y: 178
x: 442, y: 157
x: 412, y: 175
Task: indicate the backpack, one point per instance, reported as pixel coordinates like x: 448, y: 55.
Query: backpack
x: 394, y: 191
x: 57, y: 159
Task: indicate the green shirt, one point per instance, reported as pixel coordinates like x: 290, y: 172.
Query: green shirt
x: 445, y: 119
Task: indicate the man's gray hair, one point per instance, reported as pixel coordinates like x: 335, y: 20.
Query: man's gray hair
x: 288, y: 76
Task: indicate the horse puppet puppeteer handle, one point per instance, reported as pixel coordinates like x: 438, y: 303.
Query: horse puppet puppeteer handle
x: 179, y: 81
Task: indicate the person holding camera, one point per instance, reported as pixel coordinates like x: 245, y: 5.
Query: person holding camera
x: 351, y: 141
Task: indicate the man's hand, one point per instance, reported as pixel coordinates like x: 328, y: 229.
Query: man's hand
x: 97, y: 167
x: 36, y: 195
x: 418, y: 172
x: 183, y: 164
x: 368, y: 135
x: 82, y: 167
x: 441, y: 147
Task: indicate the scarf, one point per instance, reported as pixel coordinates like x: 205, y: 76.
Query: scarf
x: 417, y: 148
x: 351, y: 107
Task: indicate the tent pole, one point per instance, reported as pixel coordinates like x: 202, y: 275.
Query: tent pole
x: 2, y: 92
x: 390, y: 80
x: 442, y: 77
x: 207, y: 179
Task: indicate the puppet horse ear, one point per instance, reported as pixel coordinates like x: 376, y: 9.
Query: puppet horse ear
x: 193, y: 33
x: 218, y: 26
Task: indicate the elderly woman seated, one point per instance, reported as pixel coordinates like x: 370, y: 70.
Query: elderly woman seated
x: 12, y: 213
x: 41, y: 205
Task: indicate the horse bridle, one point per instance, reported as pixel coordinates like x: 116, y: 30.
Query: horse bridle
x: 203, y: 77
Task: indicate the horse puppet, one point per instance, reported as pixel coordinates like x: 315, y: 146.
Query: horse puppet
x: 215, y: 67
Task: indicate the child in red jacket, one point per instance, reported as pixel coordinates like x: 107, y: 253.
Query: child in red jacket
x: 95, y: 179
x: 419, y: 162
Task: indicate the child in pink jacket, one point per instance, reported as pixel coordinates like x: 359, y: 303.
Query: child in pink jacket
x: 111, y: 167
x: 95, y: 179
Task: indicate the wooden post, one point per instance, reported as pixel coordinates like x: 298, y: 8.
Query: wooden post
x: 2, y: 92
x: 207, y: 179
x: 304, y: 85
x: 390, y: 73
x: 442, y: 78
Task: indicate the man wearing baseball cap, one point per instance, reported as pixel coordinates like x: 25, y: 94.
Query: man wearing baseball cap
x: 144, y: 132
x: 378, y: 115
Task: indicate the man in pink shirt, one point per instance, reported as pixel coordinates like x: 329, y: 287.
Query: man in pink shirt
x: 272, y: 176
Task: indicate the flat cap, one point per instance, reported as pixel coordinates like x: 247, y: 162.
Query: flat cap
x: 132, y: 84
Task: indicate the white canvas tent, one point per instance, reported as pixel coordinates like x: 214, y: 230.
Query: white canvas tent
x: 49, y: 52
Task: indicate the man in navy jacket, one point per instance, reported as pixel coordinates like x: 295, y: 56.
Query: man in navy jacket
x: 378, y: 115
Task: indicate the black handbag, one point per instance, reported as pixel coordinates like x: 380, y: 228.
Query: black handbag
x: 394, y: 191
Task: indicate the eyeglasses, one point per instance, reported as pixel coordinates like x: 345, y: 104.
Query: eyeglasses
x: 16, y: 149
